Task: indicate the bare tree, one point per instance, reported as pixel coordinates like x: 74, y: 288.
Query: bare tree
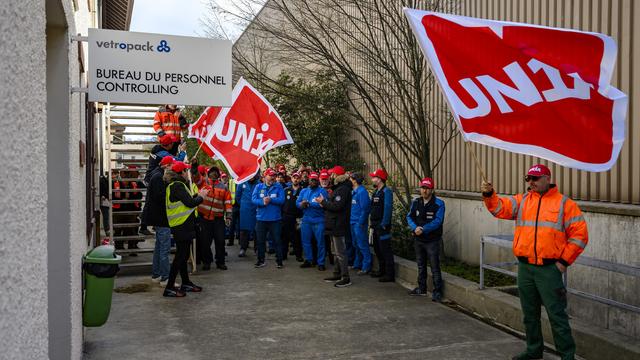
x: 369, y: 46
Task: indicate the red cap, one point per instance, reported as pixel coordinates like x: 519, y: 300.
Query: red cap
x: 427, y: 182
x: 539, y: 170
x: 269, y: 172
x: 295, y: 174
x: 281, y: 168
x: 313, y: 175
x: 324, y: 174
x: 132, y: 167
x: 338, y: 170
x: 223, y: 175
x: 179, y: 167
x: 380, y: 173
x: 202, y: 169
x: 167, y: 160
x: 167, y: 139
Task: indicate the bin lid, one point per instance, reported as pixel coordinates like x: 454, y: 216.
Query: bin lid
x: 103, y: 254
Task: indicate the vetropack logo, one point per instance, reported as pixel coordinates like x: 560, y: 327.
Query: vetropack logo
x: 146, y: 47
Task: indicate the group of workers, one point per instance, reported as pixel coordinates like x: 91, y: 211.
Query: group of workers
x: 315, y: 215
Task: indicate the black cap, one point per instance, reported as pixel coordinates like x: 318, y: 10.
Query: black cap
x: 359, y: 178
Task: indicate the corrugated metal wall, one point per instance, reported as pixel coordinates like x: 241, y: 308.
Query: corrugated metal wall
x: 617, y: 18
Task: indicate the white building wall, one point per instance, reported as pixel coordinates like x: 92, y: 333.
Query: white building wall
x: 23, y: 215
x: 30, y: 328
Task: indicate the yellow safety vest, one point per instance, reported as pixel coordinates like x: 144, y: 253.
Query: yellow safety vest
x: 232, y: 190
x: 177, y: 212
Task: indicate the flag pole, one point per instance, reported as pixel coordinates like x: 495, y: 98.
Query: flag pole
x: 197, y: 151
x: 475, y: 160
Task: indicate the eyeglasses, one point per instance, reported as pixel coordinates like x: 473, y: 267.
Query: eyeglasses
x: 531, y: 178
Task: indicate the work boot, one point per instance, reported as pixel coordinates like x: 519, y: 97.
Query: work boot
x: 436, y: 297
x: 333, y: 278
x: 242, y: 253
x: 191, y: 287
x: 221, y: 266
x: 386, y: 279
x: 279, y: 265
x: 259, y: 264
x: 321, y: 268
x: 173, y: 293
x: 145, y: 231
x: 305, y: 265
x: 343, y: 283
x: 417, y: 292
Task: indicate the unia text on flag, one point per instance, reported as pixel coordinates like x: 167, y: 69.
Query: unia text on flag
x: 528, y: 89
x: 242, y: 134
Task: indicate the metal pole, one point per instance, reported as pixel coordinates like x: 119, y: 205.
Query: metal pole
x: 482, y: 263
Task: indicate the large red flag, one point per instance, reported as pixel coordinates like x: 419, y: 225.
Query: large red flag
x: 198, y: 130
x: 242, y: 134
x: 529, y: 89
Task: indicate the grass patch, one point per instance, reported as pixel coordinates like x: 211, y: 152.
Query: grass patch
x: 472, y: 273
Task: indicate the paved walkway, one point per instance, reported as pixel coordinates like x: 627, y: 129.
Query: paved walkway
x: 291, y: 313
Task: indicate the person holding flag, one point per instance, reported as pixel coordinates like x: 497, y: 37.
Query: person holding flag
x: 181, y: 201
x: 550, y: 233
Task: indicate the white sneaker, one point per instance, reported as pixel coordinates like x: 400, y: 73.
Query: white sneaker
x: 156, y: 279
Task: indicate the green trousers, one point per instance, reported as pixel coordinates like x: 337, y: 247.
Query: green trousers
x: 542, y: 285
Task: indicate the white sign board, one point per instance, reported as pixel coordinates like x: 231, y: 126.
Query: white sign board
x: 141, y: 68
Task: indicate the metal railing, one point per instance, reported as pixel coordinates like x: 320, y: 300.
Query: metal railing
x: 506, y: 241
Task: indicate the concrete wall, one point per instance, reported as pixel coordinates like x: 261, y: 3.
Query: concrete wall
x: 42, y: 207
x: 611, y: 237
x: 23, y: 216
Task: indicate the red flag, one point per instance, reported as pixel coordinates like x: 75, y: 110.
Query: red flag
x: 242, y: 134
x: 529, y: 89
x: 198, y: 130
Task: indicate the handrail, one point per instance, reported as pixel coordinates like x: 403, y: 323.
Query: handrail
x: 505, y: 241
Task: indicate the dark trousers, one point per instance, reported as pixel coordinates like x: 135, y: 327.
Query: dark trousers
x: 211, y: 231
x: 327, y: 248
x: 428, y: 251
x: 350, y: 250
x: 384, y: 254
x: 234, y: 228
x: 542, y: 285
x: 183, y: 242
x: 265, y: 229
x: 290, y: 236
x: 342, y: 262
x: 245, y: 237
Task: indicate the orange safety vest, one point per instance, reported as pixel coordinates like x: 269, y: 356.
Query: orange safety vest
x: 167, y: 122
x: 116, y: 195
x: 216, y: 201
x: 549, y: 227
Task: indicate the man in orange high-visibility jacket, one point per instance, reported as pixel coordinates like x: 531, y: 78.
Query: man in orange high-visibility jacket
x: 215, y: 212
x: 550, y: 233
x: 169, y: 121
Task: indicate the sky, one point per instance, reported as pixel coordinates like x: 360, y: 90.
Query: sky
x: 172, y: 17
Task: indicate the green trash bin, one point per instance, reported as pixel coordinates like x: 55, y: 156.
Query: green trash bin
x: 100, y: 267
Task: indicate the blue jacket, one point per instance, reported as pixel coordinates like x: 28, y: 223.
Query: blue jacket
x: 430, y: 216
x: 313, y: 214
x: 244, y: 192
x: 360, y: 206
x: 273, y: 210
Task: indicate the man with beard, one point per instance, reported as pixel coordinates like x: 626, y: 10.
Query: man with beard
x: 337, y: 213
